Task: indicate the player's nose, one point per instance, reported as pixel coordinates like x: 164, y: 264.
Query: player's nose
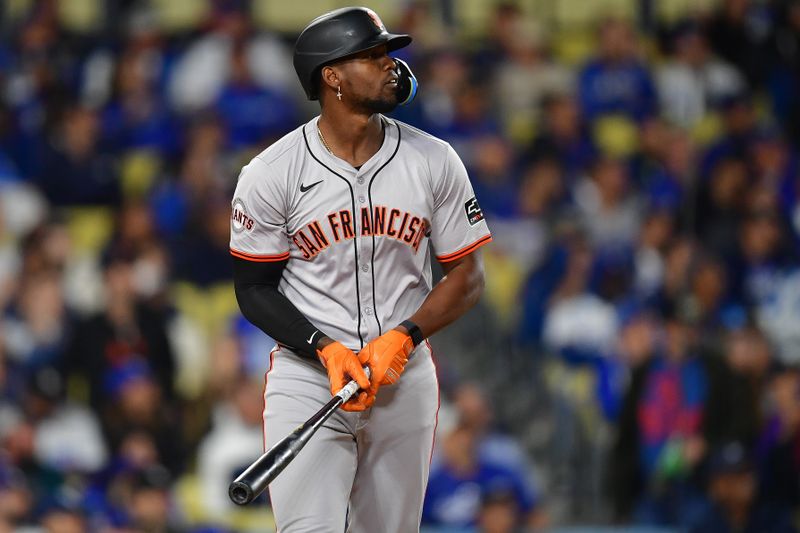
x: 387, y: 63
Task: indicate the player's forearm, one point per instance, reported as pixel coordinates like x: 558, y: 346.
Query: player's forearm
x: 275, y: 315
x: 453, y: 296
x: 256, y: 287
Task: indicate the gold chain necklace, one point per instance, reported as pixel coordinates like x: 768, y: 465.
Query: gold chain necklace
x: 322, y: 138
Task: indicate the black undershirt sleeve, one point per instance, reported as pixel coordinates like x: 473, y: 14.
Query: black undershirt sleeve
x: 256, y: 286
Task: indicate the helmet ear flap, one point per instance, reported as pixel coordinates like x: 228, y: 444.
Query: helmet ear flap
x: 406, y: 84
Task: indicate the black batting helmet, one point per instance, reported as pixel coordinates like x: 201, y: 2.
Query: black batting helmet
x: 338, y: 34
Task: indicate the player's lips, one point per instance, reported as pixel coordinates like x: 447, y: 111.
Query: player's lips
x: 393, y: 80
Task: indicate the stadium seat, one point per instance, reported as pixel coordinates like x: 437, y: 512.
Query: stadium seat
x: 89, y: 228
x: 616, y: 135
x: 175, y: 16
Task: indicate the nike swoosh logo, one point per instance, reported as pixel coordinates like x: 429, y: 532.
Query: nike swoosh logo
x: 313, y: 334
x: 303, y: 188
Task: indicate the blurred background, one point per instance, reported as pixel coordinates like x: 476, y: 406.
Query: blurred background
x: 633, y: 363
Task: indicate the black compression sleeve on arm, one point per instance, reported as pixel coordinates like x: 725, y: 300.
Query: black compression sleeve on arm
x: 256, y: 287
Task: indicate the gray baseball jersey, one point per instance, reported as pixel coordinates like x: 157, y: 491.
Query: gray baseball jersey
x: 356, y: 240
x: 359, y: 263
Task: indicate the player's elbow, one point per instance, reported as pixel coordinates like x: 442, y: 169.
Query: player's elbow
x: 474, y: 278
x: 245, y: 298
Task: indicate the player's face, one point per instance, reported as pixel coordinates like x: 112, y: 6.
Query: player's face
x: 369, y: 80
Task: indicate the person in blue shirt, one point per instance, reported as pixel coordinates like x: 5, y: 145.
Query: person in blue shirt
x: 616, y: 81
x: 458, y: 485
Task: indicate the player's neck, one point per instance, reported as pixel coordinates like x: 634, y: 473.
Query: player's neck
x: 351, y: 137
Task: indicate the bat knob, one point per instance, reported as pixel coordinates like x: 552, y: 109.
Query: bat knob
x: 240, y: 493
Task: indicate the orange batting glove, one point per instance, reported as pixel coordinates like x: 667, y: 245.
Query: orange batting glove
x: 342, y: 366
x: 387, y: 357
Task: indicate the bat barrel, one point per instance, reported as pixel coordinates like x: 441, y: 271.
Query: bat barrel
x: 253, y: 481
x: 241, y: 493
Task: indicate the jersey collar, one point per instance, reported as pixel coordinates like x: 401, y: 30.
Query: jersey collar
x: 390, y: 137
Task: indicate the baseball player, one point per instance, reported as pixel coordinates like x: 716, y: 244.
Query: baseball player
x: 330, y: 234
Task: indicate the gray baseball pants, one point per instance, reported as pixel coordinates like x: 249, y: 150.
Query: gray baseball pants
x: 361, y: 472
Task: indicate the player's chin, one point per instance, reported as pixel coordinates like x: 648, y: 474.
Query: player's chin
x: 384, y: 103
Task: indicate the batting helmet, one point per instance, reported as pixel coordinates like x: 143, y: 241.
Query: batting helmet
x: 338, y: 34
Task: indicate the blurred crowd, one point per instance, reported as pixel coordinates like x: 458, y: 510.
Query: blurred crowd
x: 634, y: 362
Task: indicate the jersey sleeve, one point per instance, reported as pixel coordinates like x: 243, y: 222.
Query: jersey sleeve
x: 258, y: 216
x: 458, y: 226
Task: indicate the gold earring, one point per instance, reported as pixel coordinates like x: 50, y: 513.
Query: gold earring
x: 339, y: 93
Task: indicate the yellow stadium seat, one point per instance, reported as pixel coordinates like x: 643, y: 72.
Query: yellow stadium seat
x: 81, y: 16
x: 571, y: 14
x: 707, y: 129
x: 14, y: 10
x: 504, y: 278
x: 573, y: 47
x: 180, y: 15
x: 616, y: 135
x: 521, y: 128
x: 210, y: 308
x: 670, y: 11
x: 291, y: 17
x: 89, y: 228
x: 138, y: 171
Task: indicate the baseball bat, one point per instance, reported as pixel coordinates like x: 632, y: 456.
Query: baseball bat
x: 255, y: 479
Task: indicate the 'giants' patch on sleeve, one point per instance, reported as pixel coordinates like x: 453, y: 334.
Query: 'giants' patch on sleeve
x: 240, y: 220
x: 474, y: 213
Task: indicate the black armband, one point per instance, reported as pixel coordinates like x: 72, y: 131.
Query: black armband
x: 413, y: 331
x: 256, y: 286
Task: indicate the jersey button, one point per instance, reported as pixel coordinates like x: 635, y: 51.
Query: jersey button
x: 365, y: 268
x: 368, y: 311
x: 360, y: 180
x: 362, y: 199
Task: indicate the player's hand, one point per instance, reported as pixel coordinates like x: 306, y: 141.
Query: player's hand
x: 342, y: 366
x: 387, y: 357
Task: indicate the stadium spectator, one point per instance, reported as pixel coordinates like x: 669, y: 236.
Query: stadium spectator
x: 37, y: 327
x: 135, y: 114
x: 779, y: 442
x: 205, y: 67
x: 733, y: 491
x: 458, y: 483
x: 564, y: 136
x: 74, y: 169
x: 737, y: 31
x: 739, y: 127
x: 68, y: 438
x: 783, y: 54
x: 721, y: 205
x: 126, y: 332
x: 253, y: 115
x: 526, y: 76
x: 609, y: 210
x: 135, y: 406
x: 616, y: 80
x: 671, y: 412
x: 693, y: 81
x: 236, y: 437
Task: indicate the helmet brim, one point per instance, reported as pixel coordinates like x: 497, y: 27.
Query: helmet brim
x: 393, y: 41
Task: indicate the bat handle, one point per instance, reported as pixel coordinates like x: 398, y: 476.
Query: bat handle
x: 346, y: 392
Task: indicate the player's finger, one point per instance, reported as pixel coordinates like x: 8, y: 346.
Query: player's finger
x: 337, y: 380
x: 357, y: 373
x: 369, y: 400
x: 356, y: 403
x: 363, y: 356
x: 373, y: 389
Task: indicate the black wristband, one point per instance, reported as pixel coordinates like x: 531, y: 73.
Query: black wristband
x: 413, y: 331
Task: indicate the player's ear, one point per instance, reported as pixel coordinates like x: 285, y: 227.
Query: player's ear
x: 330, y: 77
